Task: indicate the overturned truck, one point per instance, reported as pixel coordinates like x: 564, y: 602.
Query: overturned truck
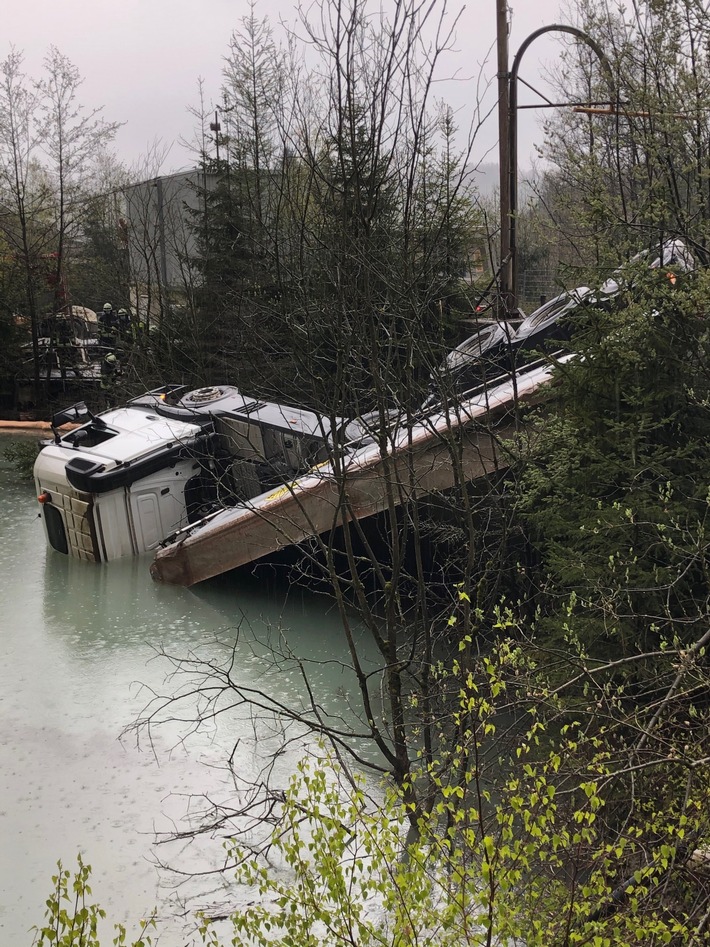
x: 212, y: 479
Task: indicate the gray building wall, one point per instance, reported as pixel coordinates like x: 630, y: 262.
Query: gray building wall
x: 159, y: 217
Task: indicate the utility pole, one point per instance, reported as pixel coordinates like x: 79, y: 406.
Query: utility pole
x: 502, y: 29
x: 216, y: 128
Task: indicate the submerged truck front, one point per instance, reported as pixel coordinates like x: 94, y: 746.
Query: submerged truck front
x: 119, y: 484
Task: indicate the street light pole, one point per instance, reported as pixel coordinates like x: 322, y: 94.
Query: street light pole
x: 513, y: 129
x: 508, y: 125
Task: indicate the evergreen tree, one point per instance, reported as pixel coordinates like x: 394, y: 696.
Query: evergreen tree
x: 616, y: 496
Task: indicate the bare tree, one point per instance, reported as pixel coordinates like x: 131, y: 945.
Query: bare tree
x: 367, y: 217
x: 51, y: 158
x: 25, y: 226
x: 639, y: 172
x: 74, y: 143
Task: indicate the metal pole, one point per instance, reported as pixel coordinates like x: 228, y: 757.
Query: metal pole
x: 504, y: 153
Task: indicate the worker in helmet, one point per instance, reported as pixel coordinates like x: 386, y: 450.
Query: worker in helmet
x: 123, y: 323
x: 110, y: 371
x: 107, y: 326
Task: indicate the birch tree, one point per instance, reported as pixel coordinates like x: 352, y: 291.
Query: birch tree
x: 25, y: 226
x: 628, y: 179
x: 51, y: 155
x: 73, y: 141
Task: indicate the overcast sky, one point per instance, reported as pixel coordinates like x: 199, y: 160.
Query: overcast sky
x: 141, y: 59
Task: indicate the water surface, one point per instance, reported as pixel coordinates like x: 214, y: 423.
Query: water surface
x: 81, y: 651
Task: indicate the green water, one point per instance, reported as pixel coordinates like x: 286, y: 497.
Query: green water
x: 81, y: 657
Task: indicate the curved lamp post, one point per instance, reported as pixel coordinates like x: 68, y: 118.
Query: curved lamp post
x: 509, y: 287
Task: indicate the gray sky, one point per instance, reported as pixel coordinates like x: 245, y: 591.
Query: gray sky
x: 141, y: 59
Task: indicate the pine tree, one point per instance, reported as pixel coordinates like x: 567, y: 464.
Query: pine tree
x: 616, y: 496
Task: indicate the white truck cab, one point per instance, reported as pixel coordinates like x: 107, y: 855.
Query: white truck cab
x: 130, y: 477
